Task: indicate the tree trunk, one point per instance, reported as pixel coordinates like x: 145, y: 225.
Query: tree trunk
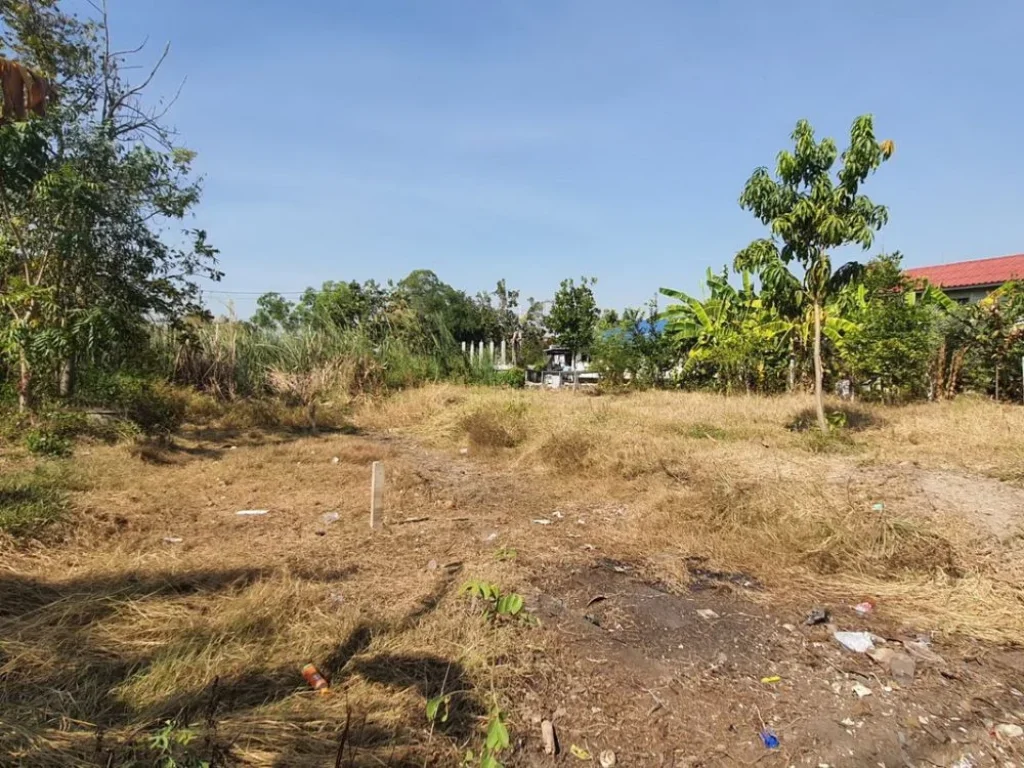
x: 24, y: 383
x: 819, y: 374
x: 791, y: 376
x: 66, y: 382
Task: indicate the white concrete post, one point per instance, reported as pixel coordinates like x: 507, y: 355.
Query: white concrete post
x: 503, y: 353
x: 377, y: 495
x: 490, y: 348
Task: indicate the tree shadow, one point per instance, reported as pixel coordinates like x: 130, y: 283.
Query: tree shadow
x: 213, y: 443
x: 45, y: 620
x: 844, y: 416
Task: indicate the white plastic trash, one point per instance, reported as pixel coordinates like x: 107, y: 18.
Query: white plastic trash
x: 858, y: 642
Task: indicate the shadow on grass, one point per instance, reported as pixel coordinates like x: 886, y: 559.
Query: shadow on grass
x: 30, y: 501
x: 44, y: 621
x: 844, y: 416
x: 213, y: 443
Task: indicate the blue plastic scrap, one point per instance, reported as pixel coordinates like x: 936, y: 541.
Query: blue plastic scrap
x: 771, y: 741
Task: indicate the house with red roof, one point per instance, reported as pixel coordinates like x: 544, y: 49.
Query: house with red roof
x: 970, y: 281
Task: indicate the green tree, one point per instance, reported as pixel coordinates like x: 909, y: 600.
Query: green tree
x: 86, y: 193
x: 990, y: 337
x: 274, y: 313
x: 892, y: 337
x: 810, y: 214
x: 573, y: 315
x: 336, y: 305
x: 633, y: 345
x: 728, y: 332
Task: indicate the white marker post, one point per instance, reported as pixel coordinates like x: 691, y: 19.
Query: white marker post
x: 377, y: 496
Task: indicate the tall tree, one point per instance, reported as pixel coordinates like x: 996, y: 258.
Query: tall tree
x: 86, y: 194
x: 274, y: 313
x: 573, y: 315
x: 810, y: 214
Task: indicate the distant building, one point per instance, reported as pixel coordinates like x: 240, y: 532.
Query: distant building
x: 968, y: 282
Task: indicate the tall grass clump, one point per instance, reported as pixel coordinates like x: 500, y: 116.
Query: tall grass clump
x: 236, y: 360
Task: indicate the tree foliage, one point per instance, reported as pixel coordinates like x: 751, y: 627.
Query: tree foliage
x: 87, y: 194
x: 810, y: 214
x: 573, y: 315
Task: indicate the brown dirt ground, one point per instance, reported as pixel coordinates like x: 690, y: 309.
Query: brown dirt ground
x: 621, y: 659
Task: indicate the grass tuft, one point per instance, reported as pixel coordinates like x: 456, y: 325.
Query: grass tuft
x: 32, y: 500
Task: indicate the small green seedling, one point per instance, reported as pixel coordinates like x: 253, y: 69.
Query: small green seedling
x: 439, y: 705
x: 496, y: 741
x: 496, y: 604
x: 505, y: 554
x: 169, y: 741
x: 837, y: 420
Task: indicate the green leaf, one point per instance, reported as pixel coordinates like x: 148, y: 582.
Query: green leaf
x: 510, y: 604
x: 433, y: 705
x: 497, y: 734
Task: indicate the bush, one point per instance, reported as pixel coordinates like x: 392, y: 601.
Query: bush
x: 502, y: 428
x: 155, y: 407
x: 46, y: 442
x: 513, y: 378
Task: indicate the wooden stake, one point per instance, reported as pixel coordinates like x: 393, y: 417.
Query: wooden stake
x: 377, y: 495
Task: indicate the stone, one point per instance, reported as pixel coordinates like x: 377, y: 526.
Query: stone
x: 902, y: 668
x: 547, y: 737
x: 923, y: 653
x: 1009, y: 731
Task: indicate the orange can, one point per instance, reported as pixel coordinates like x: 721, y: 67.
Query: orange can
x: 315, y: 679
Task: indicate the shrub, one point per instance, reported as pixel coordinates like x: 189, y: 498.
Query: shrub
x: 513, y: 378
x: 567, y: 452
x: 46, y: 442
x: 500, y: 428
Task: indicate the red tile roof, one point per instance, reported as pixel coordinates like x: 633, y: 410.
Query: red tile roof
x: 964, y: 274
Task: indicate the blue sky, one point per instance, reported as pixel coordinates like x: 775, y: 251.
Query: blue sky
x: 535, y: 140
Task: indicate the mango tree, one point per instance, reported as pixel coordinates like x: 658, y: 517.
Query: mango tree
x: 810, y: 213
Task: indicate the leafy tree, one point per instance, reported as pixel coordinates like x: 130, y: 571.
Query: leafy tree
x: 86, y: 193
x: 729, y: 331
x: 634, y: 346
x: 573, y: 315
x: 892, y: 336
x: 810, y: 214
x: 989, y: 341
x: 335, y: 305
x: 274, y: 312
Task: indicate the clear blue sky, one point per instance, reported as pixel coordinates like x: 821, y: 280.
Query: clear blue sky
x: 540, y: 139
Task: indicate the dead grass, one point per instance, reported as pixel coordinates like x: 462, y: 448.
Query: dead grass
x: 123, y: 627
x: 730, y: 479
x: 211, y: 632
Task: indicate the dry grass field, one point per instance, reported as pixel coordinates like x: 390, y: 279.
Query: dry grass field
x: 154, y: 610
